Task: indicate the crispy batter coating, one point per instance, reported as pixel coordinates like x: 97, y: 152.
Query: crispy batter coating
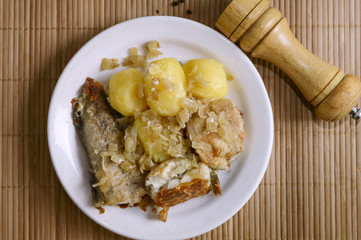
x: 183, y: 192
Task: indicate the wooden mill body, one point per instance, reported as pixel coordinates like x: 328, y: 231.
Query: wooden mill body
x: 261, y: 30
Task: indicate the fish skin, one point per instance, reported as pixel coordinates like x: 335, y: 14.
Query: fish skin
x: 97, y: 126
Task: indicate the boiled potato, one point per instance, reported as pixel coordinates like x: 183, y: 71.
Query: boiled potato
x: 123, y: 92
x: 206, y: 78
x: 149, y: 138
x: 165, y: 86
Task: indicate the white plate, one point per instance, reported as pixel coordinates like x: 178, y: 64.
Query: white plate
x: 182, y: 39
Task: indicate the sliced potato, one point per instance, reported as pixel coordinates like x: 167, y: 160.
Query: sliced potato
x: 123, y: 92
x: 165, y: 86
x: 206, y: 78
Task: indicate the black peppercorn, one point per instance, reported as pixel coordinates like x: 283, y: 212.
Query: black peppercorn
x: 176, y: 3
x: 189, y: 12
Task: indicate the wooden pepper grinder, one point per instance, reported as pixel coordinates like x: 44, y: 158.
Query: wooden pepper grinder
x: 261, y: 30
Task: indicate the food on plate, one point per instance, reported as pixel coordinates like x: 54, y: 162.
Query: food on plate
x: 161, y: 136
x: 137, y: 60
x: 109, y: 63
x: 134, y: 59
x: 102, y: 131
x: 165, y: 86
x: 126, y: 92
x: 217, y: 133
x: 152, y: 49
x: 177, y: 180
x: 206, y: 78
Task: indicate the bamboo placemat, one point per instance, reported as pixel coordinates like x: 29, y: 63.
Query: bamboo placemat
x: 312, y: 188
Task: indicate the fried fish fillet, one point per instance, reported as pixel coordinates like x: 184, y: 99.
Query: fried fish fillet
x: 219, y: 144
x: 102, y: 134
x: 178, y: 180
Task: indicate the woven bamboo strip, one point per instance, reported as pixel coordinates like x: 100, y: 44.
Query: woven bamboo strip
x: 357, y: 140
x: 2, y: 163
x: 26, y: 199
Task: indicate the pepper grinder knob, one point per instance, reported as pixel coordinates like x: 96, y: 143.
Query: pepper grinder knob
x: 355, y: 113
x: 261, y: 30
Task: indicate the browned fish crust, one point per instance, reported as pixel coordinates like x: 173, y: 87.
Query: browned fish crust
x: 93, y: 89
x: 216, y: 185
x: 98, y: 128
x: 167, y: 198
x: 181, y: 193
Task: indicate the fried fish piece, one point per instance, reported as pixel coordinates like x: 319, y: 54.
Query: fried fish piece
x: 179, y: 180
x: 101, y: 130
x: 217, y: 134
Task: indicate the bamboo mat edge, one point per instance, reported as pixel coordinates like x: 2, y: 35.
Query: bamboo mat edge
x: 312, y: 188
